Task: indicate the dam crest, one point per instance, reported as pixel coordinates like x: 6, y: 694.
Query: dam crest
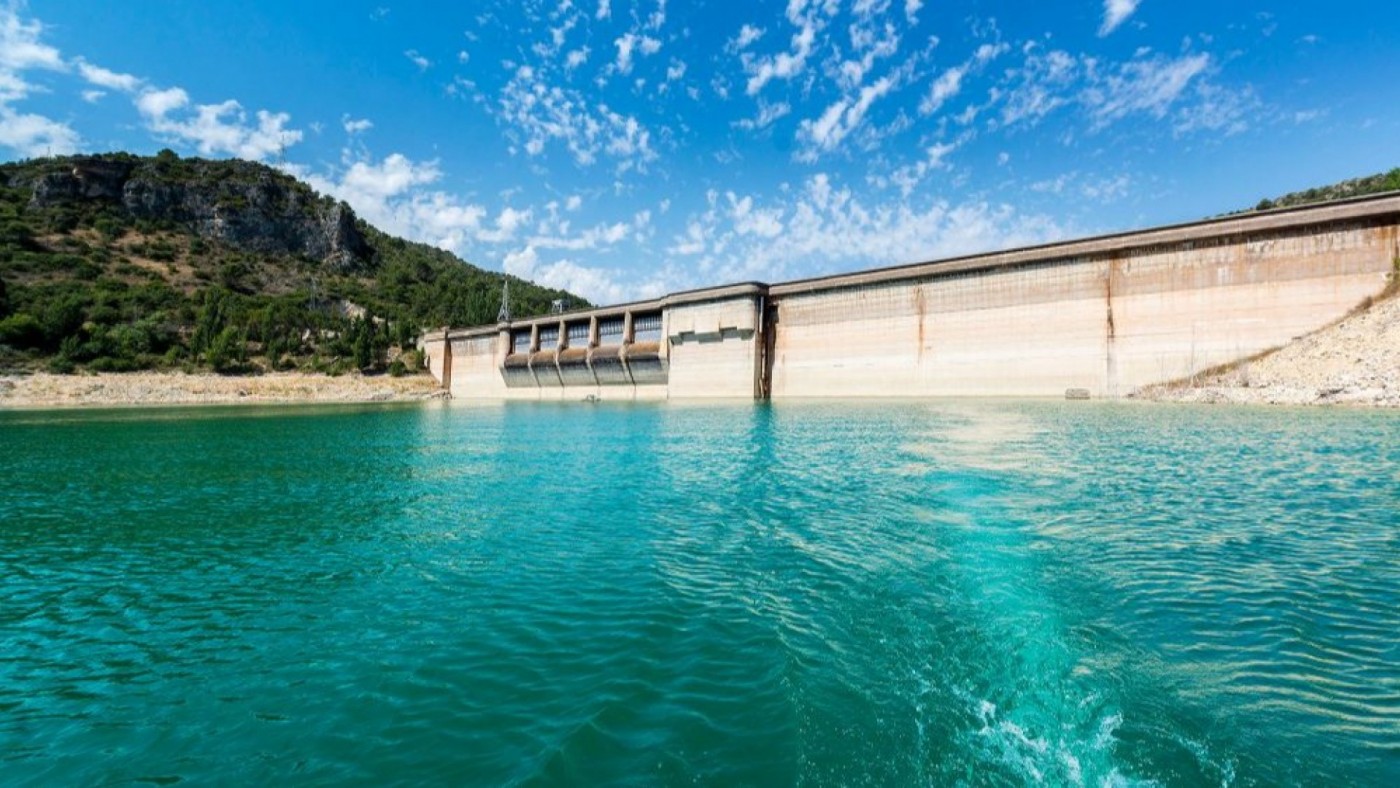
x: 1104, y: 315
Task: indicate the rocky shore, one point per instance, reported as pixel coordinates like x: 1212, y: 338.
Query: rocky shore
x: 42, y: 390
x: 1355, y: 361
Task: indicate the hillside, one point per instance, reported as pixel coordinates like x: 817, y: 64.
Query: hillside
x: 117, y: 262
x: 1356, y: 187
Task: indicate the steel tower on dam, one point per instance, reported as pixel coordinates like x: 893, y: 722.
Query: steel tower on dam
x: 1105, y: 315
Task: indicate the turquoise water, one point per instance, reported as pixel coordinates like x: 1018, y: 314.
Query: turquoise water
x: 826, y: 594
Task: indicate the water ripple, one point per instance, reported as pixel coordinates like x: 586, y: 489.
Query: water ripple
x: 824, y: 593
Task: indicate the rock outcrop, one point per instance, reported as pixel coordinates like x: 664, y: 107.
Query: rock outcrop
x: 245, y: 206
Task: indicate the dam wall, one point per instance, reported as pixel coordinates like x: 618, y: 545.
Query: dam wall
x: 1105, y: 315
x: 700, y: 344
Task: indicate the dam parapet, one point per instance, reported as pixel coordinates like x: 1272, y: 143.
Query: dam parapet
x: 1103, y: 315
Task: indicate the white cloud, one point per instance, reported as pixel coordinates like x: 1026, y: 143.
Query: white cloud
x: 391, y: 194
x: 576, y: 58
x: 788, y: 64
x: 418, y: 60
x: 826, y: 225
x: 573, y: 202
x: 604, y: 9
x: 747, y: 35
x: 538, y: 114
x: 840, y: 120
x: 1043, y: 84
x: 35, y: 135
x: 599, y: 236
x: 93, y: 96
x: 158, y: 103
x: 20, y: 47
x: 908, y: 177
x: 630, y: 42
x: 216, y: 128
x: 1149, y: 85
x: 949, y: 83
x: 911, y: 10
x: 1115, y: 13
x: 356, y: 126
x: 767, y: 115
x: 104, y: 78
x: 21, y: 50
x: 600, y: 286
x: 944, y: 87
x: 508, y: 221
x: 463, y: 56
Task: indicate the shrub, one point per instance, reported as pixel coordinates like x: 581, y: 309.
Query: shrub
x: 21, y: 331
x: 397, y: 369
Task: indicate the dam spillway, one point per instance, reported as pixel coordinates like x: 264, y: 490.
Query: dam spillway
x: 1105, y: 315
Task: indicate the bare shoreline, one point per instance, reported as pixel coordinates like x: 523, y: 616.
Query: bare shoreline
x: 105, y: 390
x: 1354, y: 362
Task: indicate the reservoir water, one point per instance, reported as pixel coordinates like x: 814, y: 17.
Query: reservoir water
x: 945, y: 593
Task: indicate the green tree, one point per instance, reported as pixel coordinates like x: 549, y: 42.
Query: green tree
x: 364, y: 344
x: 226, y: 352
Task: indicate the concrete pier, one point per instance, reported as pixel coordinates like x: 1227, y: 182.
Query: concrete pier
x: 1102, y: 315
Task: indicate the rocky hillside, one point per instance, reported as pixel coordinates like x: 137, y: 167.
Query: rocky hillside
x: 120, y: 262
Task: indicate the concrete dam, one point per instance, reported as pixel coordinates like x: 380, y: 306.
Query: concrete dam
x: 1103, y: 315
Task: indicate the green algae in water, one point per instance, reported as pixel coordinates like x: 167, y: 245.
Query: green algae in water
x: 833, y: 594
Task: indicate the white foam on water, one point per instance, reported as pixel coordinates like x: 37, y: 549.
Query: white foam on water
x: 1067, y: 760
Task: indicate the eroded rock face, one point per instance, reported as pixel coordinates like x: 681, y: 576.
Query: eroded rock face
x: 246, y: 206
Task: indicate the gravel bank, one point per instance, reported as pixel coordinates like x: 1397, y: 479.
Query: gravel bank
x: 42, y: 390
x: 1353, y: 362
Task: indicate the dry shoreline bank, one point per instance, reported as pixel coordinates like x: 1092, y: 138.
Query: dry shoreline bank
x: 44, y: 390
x: 1353, y: 362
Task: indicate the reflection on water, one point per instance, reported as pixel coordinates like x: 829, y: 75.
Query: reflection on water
x: 831, y: 593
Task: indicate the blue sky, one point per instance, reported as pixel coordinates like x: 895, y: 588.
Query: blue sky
x: 626, y: 149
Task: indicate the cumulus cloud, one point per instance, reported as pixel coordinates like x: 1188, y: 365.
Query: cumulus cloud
x: 21, y: 47
x: 393, y: 194
x: 598, y: 285
x: 1115, y: 13
x: 216, y: 128
x: 508, y: 222
x: 21, y: 50
x: 418, y: 60
x: 36, y: 135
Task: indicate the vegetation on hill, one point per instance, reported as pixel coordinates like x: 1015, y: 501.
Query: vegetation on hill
x: 1356, y: 187
x: 118, y: 262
